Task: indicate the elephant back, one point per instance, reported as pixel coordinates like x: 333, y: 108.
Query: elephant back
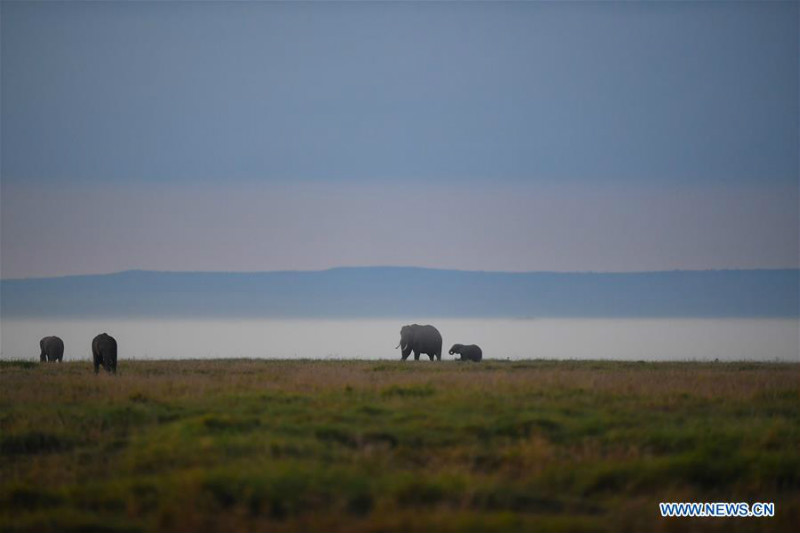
x: 430, y: 337
x: 476, y: 352
x: 104, y: 343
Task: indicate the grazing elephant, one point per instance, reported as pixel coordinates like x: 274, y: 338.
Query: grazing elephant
x: 469, y: 352
x: 52, y: 349
x: 104, y: 352
x: 420, y: 339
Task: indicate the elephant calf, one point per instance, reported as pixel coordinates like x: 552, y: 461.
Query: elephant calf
x: 52, y: 349
x: 469, y: 352
x: 104, y: 352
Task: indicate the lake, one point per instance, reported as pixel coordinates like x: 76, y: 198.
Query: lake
x: 623, y: 339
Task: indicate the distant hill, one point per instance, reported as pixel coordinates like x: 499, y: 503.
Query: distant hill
x: 403, y: 292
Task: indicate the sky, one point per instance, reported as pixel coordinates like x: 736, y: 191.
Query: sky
x: 515, y: 136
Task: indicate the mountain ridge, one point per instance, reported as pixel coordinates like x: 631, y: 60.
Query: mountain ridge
x: 388, y: 291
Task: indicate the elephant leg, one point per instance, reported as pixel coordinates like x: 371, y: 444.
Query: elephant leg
x: 416, y: 355
x: 431, y: 356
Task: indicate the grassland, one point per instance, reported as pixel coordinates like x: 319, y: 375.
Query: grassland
x: 385, y: 446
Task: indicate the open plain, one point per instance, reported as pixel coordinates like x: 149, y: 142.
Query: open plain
x: 305, y: 445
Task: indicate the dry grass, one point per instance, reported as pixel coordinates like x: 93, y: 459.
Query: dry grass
x: 387, y: 446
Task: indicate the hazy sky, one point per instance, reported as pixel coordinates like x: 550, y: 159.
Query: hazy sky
x: 509, y: 136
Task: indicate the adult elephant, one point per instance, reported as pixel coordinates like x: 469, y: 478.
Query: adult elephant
x: 52, y: 349
x: 104, y: 352
x: 468, y: 352
x: 420, y: 339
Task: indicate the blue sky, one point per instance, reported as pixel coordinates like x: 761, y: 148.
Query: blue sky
x: 565, y: 136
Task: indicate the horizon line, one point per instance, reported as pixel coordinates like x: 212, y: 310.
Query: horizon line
x: 377, y: 267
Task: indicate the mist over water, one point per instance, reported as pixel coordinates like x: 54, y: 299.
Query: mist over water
x: 623, y: 339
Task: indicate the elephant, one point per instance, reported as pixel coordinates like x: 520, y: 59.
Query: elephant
x: 52, y: 349
x: 104, y: 352
x: 420, y: 339
x: 469, y: 352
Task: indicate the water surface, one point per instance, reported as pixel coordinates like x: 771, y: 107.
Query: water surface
x: 624, y: 339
